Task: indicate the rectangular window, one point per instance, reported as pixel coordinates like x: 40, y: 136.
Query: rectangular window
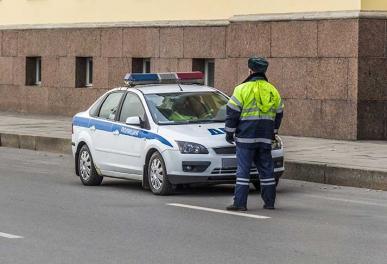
x: 141, y: 65
x: 206, y: 66
x: 83, y: 72
x: 33, y: 70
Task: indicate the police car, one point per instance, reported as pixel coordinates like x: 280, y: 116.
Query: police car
x: 162, y: 129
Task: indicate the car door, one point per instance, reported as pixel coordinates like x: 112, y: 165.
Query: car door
x: 127, y: 143
x: 101, y: 131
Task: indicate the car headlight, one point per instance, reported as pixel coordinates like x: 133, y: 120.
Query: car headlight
x: 277, y: 143
x: 191, y: 148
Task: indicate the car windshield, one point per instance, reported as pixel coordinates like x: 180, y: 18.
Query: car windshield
x: 182, y: 108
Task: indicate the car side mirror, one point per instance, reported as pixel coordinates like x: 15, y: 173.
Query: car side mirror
x: 133, y: 121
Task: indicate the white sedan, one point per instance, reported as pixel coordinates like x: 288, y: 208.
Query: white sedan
x: 163, y: 130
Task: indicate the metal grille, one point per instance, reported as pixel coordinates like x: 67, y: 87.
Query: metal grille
x: 225, y: 150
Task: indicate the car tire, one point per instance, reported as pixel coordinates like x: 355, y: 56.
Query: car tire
x: 87, y: 172
x: 157, y: 175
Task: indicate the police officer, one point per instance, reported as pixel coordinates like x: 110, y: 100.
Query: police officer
x: 254, y: 115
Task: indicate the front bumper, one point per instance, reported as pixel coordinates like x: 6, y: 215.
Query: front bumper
x: 214, y: 171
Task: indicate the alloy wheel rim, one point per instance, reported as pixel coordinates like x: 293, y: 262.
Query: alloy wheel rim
x: 85, y: 165
x: 156, y: 174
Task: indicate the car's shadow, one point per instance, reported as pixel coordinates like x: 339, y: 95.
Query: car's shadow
x: 182, y: 190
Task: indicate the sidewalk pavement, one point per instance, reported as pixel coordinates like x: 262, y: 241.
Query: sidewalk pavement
x: 338, y: 162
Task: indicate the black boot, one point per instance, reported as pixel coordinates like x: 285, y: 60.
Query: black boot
x: 235, y: 208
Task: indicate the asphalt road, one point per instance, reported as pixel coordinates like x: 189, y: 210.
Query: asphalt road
x: 61, y: 221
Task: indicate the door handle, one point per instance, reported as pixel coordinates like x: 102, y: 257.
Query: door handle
x: 92, y: 128
x: 116, y: 132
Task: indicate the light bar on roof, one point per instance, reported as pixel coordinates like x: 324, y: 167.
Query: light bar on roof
x: 191, y: 77
x: 133, y: 79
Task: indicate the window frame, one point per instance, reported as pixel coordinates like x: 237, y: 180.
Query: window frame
x: 104, y: 100
x: 35, y: 62
x: 145, y: 123
x: 89, y: 72
x: 84, y: 71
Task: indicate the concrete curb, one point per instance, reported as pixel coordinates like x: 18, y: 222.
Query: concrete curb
x: 39, y: 143
x: 304, y: 171
x: 328, y: 174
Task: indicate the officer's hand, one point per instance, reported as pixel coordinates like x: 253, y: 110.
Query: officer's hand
x: 274, y: 135
x: 230, y: 138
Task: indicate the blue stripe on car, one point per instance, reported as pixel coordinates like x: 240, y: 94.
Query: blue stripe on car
x: 124, y: 130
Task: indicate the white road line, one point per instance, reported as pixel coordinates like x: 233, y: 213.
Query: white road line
x: 346, y: 200
x: 9, y: 235
x: 218, y: 211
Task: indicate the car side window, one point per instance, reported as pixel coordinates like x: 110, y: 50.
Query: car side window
x: 132, y: 106
x: 110, y: 106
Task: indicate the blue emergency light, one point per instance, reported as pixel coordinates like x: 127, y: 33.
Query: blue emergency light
x: 133, y: 79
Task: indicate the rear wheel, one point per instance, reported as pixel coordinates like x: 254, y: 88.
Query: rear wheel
x: 87, y: 171
x: 157, y: 175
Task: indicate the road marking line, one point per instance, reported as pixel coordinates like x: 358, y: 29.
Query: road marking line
x: 346, y: 200
x: 9, y: 235
x: 218, y: 211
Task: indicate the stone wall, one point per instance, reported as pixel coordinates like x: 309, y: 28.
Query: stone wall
x: 372, y: 85
x: 315, y: 64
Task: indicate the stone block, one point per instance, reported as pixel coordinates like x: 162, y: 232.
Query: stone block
x: 242, y: 69
x: 100, y: 72
x: 204, y: 42
x: 67, y: 71
x: 19, y: 71
x: 338, y: 38
x: 164, y: 65
x: 171, y: 42
x: 111, y: 40
x: 6, y: 66
x: 9, y: 43
x: 69, y: 101
x: 1, y: 43
x: 372, y: 79
x: 372, y: 35
x: 27, y: 142
x: 293, y: 77
x: 294, y: 39
x: 141, y: 42
x: 9, y: 140
x: 50, y: 72
x: 248, y: 39
x: 339, y: 119
x: 372, y: 120
x: 56, y: 145
x: 343, y: 176
x: 10, y: 98
x: 302, y: 118
x: 305, y: 171
x: 48, y: 42
x: 353, y: 69
x: 332, y: 79
x: 226, y: 75
x: 117, y: 68
x: 379, y: 181
x: 34, y: 99
x: 184, y: 65
x: 84, y: 42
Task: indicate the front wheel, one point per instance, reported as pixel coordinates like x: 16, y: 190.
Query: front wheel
x: 157, y: 175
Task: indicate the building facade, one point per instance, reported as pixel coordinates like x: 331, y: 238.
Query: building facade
x: 330, y: 64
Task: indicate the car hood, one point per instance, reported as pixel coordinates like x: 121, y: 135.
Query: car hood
x: 209, y: 135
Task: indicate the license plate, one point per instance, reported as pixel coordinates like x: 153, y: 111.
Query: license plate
x: 229, y: 163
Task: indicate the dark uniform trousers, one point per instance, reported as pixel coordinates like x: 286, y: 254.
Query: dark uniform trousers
x: 264, y: 163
